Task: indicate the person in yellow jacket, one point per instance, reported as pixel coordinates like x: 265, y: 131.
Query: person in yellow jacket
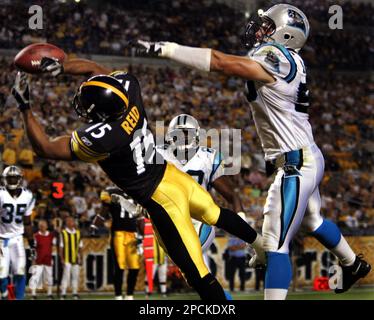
x: 71, y: 257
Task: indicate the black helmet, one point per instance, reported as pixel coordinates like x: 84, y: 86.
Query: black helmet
x: 101, y: 98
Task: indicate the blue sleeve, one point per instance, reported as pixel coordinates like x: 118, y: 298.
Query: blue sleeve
x: 216, y: 163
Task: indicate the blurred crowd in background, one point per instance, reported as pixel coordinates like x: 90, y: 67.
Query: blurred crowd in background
x: 341, y: 114
x: 107, y: 27
x: 341, y: 103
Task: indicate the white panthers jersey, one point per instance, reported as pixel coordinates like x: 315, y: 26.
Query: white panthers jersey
x: 205, y: 166
x: 12, y: 211
x: 280, y: 109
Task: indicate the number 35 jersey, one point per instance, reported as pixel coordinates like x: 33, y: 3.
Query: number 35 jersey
x: 279, y: 109
x: 124, y: 148
x: 12, y: 211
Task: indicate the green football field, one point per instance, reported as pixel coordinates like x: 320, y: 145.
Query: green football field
x: 354, y: 294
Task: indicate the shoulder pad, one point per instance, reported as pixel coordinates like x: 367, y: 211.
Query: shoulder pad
x: 277, y: 60
x: 28, y: 191
x: 85, y: 148
x: 131, y: 85
x: 118, y: 73
x: 209, y: 153
x: 123, y: 76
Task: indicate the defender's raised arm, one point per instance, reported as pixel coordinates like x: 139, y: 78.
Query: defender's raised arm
x: 205, y: 59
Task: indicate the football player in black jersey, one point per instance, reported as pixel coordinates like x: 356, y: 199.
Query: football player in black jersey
x: 126, y: 232
x: 117, y: 137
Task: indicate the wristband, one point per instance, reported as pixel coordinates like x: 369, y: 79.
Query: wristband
x: 198, y: 58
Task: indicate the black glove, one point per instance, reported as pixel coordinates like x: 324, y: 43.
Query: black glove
x: 51, y: 65
x: 21, y: 91
x: 149, y: 49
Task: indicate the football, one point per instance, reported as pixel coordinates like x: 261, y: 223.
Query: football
x: 29, y: 58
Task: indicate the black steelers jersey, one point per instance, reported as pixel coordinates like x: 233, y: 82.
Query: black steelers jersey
x: 121, y: 210
x: 125, y: 148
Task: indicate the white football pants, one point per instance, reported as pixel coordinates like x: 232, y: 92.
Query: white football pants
x: 41, y: 274
x: 12, y: 254
x: 71, y: 273
x: 162, y: 270
x: 293, y: 201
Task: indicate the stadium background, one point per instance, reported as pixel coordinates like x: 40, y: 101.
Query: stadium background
x: 340, y: 64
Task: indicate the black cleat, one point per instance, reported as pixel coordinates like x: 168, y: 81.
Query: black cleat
x: 50, y: 297
x: 353, y: 273
x: 63, y: 297
x: 76, y: 297
x: 34, y: 298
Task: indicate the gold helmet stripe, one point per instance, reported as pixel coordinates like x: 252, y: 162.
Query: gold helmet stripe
x: 107, y: 86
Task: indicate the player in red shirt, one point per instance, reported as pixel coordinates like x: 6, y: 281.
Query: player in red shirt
x: 42, y: 269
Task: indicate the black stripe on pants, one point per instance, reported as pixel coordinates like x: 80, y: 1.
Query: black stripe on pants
x: 208, y: 287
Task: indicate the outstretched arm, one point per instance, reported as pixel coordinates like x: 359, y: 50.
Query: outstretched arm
x: 242, y: 67
x: 84, y: 67
x: 205, y: 59
x: 79, y: 67
x: 44, y: 147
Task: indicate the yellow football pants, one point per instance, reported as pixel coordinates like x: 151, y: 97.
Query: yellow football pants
x: 177, y: 198
x: 124, y: 248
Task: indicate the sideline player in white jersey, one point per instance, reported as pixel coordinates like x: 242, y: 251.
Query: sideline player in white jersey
x: 204, y: 164
x: 277, y: 91
x: 16, y: 205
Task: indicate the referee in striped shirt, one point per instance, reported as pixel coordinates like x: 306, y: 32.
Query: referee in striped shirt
x: 71, y: 257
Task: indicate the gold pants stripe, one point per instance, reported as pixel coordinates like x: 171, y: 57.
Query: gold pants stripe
x: 181, y: 198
